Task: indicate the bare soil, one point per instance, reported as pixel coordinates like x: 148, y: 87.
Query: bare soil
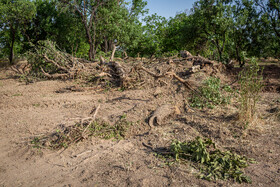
x: 31, y: 110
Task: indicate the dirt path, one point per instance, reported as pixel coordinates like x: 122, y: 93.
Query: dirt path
x: 39, y: 108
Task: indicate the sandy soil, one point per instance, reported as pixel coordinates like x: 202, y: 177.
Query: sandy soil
x: 41, y: 107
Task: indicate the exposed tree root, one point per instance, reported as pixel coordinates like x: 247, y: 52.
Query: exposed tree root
x: 162, y: 113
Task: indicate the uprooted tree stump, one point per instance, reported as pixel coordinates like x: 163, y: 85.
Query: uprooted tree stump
x: 161, y: 113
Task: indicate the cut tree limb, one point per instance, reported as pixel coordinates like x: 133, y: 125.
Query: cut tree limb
x: 168, y: 73
x: 56, y: 64
x: 54, y: 76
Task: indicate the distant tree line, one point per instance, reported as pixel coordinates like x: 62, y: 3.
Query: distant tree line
x: 217, y: 29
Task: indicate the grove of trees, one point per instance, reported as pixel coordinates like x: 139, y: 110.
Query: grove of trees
x: 217, y: 29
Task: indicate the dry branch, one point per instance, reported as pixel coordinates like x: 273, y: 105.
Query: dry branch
x: 54, y: 76
x: 63, y: 65
x: 167, y: 74
x: 20, y: 69
x: 56, y: 64
x: 92, y: 119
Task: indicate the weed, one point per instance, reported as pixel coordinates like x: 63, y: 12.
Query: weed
x: 36, y: 104
x: 121, y: 89
x: 108, y: 85
x: 17, y: 94
x: 211, y: 94
x: 212, y: 162
x: 250, y: 87
x: 36, y: 143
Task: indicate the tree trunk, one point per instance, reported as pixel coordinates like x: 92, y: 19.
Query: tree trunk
x: 105, y: 45
x: 13, y: 37
x: 125, y: 55
x: 238, y: 58
x: 91, y: 41
x: 113, y: 52
x: 220, y: 54
x: 91, y: 52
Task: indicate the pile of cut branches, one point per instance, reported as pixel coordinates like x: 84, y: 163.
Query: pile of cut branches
x: 47, y: 59
x: 63, y: 137
x: 212, y: 162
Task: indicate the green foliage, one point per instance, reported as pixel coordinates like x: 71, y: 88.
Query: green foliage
x: 216, y: 29
x: 211, y: 94
x: 15, y: 15
x: 250, y: 80
x: 36, y: 59
x: 51, y: 22
x: 151, y: 42
x: 213, y: 163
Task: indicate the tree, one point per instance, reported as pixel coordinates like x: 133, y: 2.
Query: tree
x: 213, y: 17
x: 106, y: 21
x: 118, y: 27
x: 244, y: 22
x: 153, y: 36
x: 269, y: 11
x: 15, y: 14
x: 87, y: 10
x: 175, y: 33
x: 59, y: 25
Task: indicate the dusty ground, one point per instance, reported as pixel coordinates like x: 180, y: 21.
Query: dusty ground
x: 41, y: 107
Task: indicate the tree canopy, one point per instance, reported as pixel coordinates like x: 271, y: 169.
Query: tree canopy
x: 217, y: 29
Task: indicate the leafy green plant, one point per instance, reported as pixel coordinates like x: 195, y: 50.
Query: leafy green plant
x: 250, y: 80
x: 213, y: 163
x: 210, y: 94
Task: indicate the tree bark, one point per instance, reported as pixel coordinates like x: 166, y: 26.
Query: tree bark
x: 13, y: 37
x: 105, y: 45
x: 91, y: 52
x: 113, y: 52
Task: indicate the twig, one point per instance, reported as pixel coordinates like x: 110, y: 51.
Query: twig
x: 93, y: 118
x: 83, y: 153
x: 186, y: 83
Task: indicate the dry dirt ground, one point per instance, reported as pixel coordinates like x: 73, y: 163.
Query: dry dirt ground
x: 38, y: 108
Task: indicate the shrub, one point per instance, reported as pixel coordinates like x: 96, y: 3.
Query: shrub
x: 250, y: 80
x: 211, y: 94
